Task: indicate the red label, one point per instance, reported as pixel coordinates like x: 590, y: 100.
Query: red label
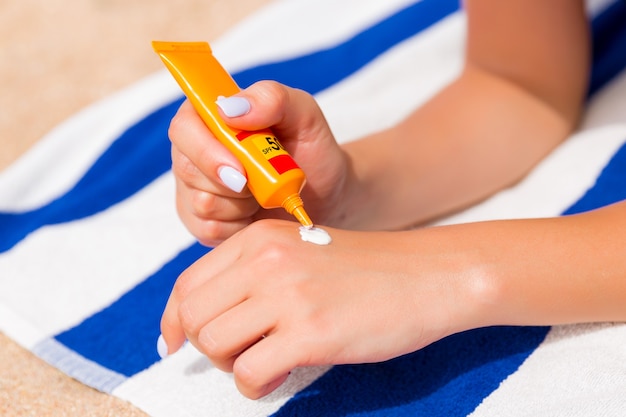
x: 283, y: 163
x: 246, y: 133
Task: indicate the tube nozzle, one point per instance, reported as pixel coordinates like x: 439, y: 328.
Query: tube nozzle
x: 302, y: 217
x: 294, y: 205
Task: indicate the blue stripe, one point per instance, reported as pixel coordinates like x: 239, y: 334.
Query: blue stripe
x: 122, y: 337
x: 135, y: 159
x: 610, y: 186
x: 320, y: 70
x: 446, y: 379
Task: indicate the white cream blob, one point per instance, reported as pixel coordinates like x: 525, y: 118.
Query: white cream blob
x: 315, y: 235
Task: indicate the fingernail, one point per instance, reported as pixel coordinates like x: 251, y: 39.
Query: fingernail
x: 162, y: 347
x: 232, y: 178
x: 233, y: 106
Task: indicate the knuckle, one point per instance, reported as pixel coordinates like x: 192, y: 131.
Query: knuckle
x: 202, y: 203
x: 206, y: 158
x: 178, y: 126
x: 212, y: 233
x: 211, y: 345
x: 183, y: 168
x: 270, y: 251
x: 183, y: 286
x: 274, y: 94
x: 275, y: 253
x: 186, y: 318
x: 185, y: 313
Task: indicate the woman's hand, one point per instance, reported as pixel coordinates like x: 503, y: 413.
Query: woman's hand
x: 211, y: 197
x: 265, y: 302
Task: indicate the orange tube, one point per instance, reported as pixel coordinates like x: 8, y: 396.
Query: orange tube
x: 273, y: 176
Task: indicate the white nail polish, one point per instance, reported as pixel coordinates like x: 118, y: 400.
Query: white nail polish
x: 162, y: 347
x: 232, y: 178
x: 233, y: 106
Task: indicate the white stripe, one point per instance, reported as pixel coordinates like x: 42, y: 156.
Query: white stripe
x: 289, y: 28
x: 57, y: 161
x: 186, y: 384
x: 395, y: 82
x: 18, y: 328
x: 594, y: 7
x: 607, y: 107
x: 578, y: 371
x: 83, y: 266
x: 555, y: 184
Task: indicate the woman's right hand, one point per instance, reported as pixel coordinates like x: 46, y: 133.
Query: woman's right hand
x: 211, y: 197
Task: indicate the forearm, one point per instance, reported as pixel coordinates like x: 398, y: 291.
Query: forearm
x: 545, y: 271
x: 477, y: 136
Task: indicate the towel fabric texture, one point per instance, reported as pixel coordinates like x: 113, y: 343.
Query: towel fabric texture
x: 90, y: 244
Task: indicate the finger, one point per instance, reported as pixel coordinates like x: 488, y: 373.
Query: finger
x: 232, y: 287
x: 228, y: 183
x: 224, y: 337
x: 265, y: 365
x: 212, y: 222
x: 185, y: 171
x: 191, y: 137
x: 204, y: 269
x: 211, y: 206
x: 292, y: 114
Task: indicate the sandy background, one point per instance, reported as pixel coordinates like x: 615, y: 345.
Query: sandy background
x: 55, y: 59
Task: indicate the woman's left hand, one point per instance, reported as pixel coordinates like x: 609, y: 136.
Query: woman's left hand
x: 265, y: 302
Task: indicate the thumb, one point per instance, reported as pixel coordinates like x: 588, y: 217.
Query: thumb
x: 293, y: 114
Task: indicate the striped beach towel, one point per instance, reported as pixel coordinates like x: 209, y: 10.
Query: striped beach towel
x: 90, y: 244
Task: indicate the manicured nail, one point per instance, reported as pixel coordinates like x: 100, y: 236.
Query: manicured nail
x: 232, y: 178
x: 162, y: 347
x: 233, y: 106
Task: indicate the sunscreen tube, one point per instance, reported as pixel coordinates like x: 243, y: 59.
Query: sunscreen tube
x: 274, y: 178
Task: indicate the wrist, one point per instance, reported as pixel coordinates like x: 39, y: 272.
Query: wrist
x: 365, y: 195
x: 347, y: 205
x: 470, y: 288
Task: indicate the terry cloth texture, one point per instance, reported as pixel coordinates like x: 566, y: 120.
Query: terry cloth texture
x: 90, y: 244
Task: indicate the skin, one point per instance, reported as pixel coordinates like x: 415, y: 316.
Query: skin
x: 263, y: 302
